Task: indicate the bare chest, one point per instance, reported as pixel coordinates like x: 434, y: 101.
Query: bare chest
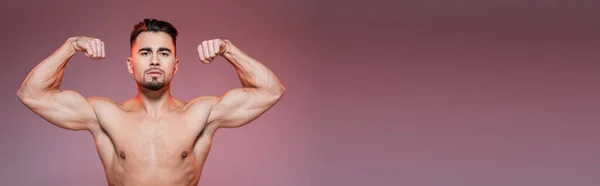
x: 149, y: 140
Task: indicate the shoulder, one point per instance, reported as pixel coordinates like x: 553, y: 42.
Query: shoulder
x: 201, y: 102
x: 103, y: 108
x: 102, y: 103
x: 101, y: 100
x: 199, y: 105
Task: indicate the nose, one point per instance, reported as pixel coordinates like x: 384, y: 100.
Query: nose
x: 154, y: 62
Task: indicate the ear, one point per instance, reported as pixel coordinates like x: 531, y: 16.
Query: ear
x: 129, y: 65
x: 176, y: 66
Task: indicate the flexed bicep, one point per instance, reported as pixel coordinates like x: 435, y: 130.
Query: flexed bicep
x: 261, y: 88
x: 41, y: 93
x: 241, y: 106
x: 65, y: 109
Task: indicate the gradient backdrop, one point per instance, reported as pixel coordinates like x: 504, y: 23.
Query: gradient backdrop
x: 421, y: 93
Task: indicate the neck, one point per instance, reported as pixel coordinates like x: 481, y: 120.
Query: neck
x: 155, y: 103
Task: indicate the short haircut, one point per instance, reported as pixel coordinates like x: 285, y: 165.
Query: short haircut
x: 153, y: 25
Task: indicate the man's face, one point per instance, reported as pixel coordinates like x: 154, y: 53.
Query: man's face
x: 152, y: 61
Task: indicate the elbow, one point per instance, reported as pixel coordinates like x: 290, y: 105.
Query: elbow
x: 26, y: 97
x: 23, y: 92
x: 279, y: 91
x: 274, y: 94
x: 279, y: 94
x: 21, y: 95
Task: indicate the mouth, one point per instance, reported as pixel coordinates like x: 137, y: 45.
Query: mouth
x: 154, y: 72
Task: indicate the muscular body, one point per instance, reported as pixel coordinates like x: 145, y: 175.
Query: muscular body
x: 153, y: 138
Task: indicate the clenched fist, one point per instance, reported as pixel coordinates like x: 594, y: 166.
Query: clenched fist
x: 209, y: 49
x: 93, y: 48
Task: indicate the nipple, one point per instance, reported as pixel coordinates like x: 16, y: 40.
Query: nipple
x: 183, y: 154
x: 122, y: 154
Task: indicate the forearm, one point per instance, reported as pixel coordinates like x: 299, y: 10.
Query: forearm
x: 47, y: 75
x: 251, y: 72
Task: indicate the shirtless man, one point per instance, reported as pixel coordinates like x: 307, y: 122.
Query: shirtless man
x: 153, y: 138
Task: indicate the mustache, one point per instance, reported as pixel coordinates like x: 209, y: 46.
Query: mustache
x: 154, y: 69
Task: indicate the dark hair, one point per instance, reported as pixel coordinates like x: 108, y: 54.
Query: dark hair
x: 153, y: 25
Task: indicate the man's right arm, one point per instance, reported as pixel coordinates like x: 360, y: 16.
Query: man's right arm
x: 41, y: 94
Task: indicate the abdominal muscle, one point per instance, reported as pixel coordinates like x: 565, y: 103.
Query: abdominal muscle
x: 184, y: 173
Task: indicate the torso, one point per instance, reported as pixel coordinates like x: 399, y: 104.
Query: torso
x: 137, y: 149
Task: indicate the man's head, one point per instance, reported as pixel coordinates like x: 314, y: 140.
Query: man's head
x: 152, y: 61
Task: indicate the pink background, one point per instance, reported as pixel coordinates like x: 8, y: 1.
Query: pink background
x: 422, y: 93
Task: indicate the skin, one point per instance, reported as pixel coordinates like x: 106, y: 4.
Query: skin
x: 152, y: 138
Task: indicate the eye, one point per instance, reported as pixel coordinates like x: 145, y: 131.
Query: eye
x: 164, y: 54
x: 144, y: 53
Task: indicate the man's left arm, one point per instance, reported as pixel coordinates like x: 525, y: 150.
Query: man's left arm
x: 261, y: 88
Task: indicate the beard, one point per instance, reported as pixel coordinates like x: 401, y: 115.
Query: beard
x: 153, y: 84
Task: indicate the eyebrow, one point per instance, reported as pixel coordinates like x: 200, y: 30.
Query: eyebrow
x: 147, y: 49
